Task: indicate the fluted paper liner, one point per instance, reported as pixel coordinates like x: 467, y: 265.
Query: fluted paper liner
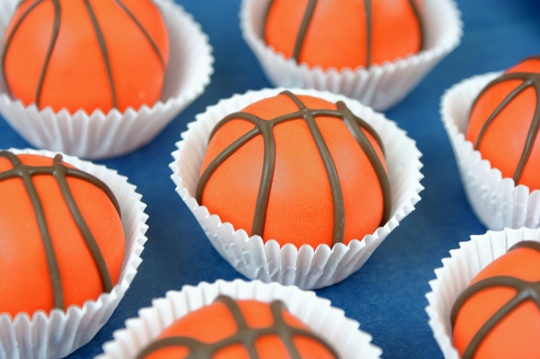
x: 496, y: 201
x: 457, y: 272
x: 59, y: 333
x: 306, y: 267
x: 104, y: 135
x: 378, y: 86
x: 317, y: 313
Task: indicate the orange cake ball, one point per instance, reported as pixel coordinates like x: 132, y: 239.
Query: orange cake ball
x: 86, y: 54
x: 296, y: 169
x: 344, y: 34
x: 498, y: 315
x: 504, y: 123
x: 243, y: 329
x: 61, y: 234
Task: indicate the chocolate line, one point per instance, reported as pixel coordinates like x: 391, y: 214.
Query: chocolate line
x: 9, y: 37
x: 103, y: 49
x: 308, y: 17
x: 245, y: 335
x: 525, y: 291
x: 60, y: 172
x: 143, y: 30
x: 265, y: 128
x: 530, y: 80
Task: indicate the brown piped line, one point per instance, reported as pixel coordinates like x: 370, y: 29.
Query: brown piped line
x: 525, y: 290
x: 265, y: 128
x: 369, y: 31
x: 529, y: 80
x: 60, y: 173
x: 9, y: 37
x: 144, y: 32
x: 306, y: 20
x: 245, y: 335
x: 103, y: 48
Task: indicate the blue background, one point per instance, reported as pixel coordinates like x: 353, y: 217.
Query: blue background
x: 387, y: 295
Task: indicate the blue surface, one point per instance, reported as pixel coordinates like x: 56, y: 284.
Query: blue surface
x: 387, y: 295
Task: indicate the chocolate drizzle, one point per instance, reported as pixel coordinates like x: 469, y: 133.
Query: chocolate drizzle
x: 308, y: 17
x: 529, y: 80
x: 60, y: 172
x: 525, y: 291
x: 265, y: 129
x: 54, y: 37
x: 245, y: 335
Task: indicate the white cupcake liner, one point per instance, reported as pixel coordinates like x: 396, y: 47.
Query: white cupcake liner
x: 496, y: 201
x: 317, y: 313
x: 59, y: 333
x: 104, y: 135
x: 379, y: 86
x: 306, y: 267
x: 457, y: 272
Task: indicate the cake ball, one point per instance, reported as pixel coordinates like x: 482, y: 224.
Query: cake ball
x: 240, y: 319
x: 498, y: 315
x: 296, y: 186
x: 237, y: 329
x: 72, y: 233
x: 345, y: 34
x: 504, y: 122
x: 86, y: 54
x: 296, y: 169
x: 62, y: 236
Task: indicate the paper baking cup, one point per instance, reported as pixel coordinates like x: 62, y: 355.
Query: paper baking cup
x: 496, y: 201
x: 103, y: 135
x: 306, y: 267
x: 379, y: 86
x: 317, y: 313
x: 457, y: 272
x: 59, y: 333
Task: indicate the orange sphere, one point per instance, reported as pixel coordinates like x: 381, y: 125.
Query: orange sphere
x: 306, y: 171
x: 345, y: 33
x: 498, y: 316
x: 62, y: 237
x: 504, y: 122
x: 86, y: 54
x: 243, y: 329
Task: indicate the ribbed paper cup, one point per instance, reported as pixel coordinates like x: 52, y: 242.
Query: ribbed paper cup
x: 306, y: 267
x: 378, y: 86
x: 104, y: 135
x: 496, y: 201
x: 328, y: 322
x: 59, y: 333
x: 458, y: 271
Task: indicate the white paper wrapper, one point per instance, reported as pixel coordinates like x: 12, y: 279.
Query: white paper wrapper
x: 104, y: 135
x: 317, y: 313
x: 457, y: 272
x: 59, y: 333
x: 379, y: 87
x: 305, y: 267
x: 496, y: 201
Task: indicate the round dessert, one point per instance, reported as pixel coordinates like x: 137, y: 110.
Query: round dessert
x: 504, y: 122
x: 82, y: 54
x: 238, y: 329
x: 344, y: 34
x: 498, y: 315
x: 62, y: 237
x: 296, y: 169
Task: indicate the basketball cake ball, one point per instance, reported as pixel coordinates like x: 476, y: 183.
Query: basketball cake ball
x: 344, y: 34
x: 296, y: 169
x: 239, y: 329
x: 86, y: 54
x: 62, y: 237
x: 498, y: 315
x: 504, y: 122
